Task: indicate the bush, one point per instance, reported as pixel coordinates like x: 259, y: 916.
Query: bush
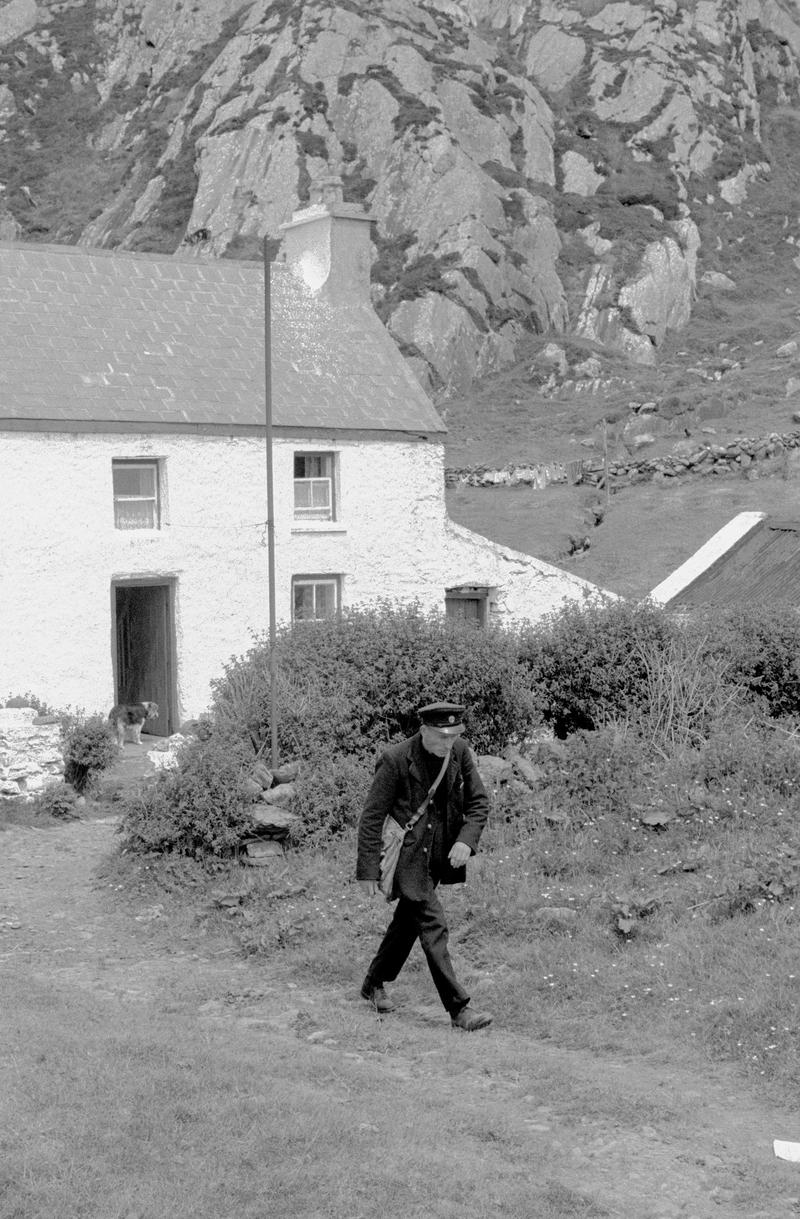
x: 58, y: 801
x: 197, y: 810
x: 346, y: 686
x: 760, y: 646
x: 594, y: 774
x: 591, y: 663
x: 748, y: 758
x: 30, y: 700
x: 330, y: 796
x: 90, y: 747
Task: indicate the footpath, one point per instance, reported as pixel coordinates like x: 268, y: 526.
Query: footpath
x: 661, y: 1143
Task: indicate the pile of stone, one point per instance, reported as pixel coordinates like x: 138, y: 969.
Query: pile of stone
x: 271, y: 793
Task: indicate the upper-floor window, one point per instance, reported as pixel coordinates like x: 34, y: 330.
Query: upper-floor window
x: 315, y: 597
x: 314, y: 491
x: 136, y: 494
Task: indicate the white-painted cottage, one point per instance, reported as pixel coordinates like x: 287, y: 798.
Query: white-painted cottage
x: 133, y: 558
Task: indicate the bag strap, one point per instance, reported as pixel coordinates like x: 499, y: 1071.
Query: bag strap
x: 431, y: 793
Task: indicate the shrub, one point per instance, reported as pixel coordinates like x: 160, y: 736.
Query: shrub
x: 347, y: 685
x: 749, y: 758
x: 197, y: 810
x: 330, y: 796
x: 89, y: 748
x: 58, y: 801
x: 590, y: 663
x: 760, y: 646
x: 30, y: 700
x: 594, y: 774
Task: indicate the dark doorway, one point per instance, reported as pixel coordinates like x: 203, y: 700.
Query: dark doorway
x: 145, y: 650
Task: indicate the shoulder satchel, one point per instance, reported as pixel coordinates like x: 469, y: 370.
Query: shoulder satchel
x: 393, y: 835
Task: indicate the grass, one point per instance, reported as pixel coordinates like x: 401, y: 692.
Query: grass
x: 26, y: 812
x: 707, y: 958
x: 116, y: 1113
x: 648, y: 530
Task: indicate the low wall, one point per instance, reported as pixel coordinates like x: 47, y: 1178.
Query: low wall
x: 708, y: 458
x: 30, y: 753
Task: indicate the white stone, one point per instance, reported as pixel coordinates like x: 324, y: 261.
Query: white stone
x: 718, y: 280
x: 553, y: 58
x: 8, y: 106
x: 17, y: 17
x: 580, y: 176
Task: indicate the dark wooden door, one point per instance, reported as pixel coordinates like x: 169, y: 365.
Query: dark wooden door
x: 144, y: 650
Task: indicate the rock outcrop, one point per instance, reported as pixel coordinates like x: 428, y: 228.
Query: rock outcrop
x: 532, y: 166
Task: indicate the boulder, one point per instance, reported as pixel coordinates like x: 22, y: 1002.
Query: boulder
x: 279, y: 797
x: 262, y: 775
x: 287, y: 773
x: 273, y: 821
x: 494, y: 770
x: 259, y: 853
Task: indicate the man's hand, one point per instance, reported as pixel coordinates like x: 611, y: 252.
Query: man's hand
x: 369, y: 887
x: 459, y: 854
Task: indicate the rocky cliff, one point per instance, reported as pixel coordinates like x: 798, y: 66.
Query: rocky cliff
x: 533, y: 166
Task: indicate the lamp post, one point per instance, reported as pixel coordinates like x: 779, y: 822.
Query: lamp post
x: 273, y: 698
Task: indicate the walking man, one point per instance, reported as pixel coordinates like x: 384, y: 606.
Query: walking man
x: 433, y: 774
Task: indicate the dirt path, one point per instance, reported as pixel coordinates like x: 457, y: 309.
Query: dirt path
x: 687, y: 1147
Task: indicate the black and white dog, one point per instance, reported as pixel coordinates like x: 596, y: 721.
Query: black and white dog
x: 133, y: 716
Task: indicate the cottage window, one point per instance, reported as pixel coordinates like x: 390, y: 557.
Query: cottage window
x: 469, y: 602
x: 314, y: 487
x: 136, y: 495
x: 315, y: 597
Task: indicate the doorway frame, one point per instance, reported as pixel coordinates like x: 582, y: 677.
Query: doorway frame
x: 171, y: 584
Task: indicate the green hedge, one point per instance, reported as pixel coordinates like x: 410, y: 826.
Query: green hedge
x: 345, y: 686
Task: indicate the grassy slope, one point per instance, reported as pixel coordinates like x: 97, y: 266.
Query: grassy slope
x: 650, y: 528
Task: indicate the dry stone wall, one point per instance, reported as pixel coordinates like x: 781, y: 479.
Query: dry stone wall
x: 30, y: 753
x: 703, y: 459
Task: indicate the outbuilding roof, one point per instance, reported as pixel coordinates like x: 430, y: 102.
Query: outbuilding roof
x: 106, y: 336
x: 758, y: 561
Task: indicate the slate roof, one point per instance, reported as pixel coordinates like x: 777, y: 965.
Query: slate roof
x: 764, y: 566
x: 108, y: 336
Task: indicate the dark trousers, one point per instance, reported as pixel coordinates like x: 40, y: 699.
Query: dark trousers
x: 423, y: 920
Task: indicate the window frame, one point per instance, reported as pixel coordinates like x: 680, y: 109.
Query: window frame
x: 482, y: 594
x: 314, y: 580
x: 327, y: 459
x: 156, y: 499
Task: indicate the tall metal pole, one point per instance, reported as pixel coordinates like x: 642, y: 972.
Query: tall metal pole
x: 273, y: 696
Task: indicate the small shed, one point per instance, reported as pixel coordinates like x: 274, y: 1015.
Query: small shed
x: 754, y: 558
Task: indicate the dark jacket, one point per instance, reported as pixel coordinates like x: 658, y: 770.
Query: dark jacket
x: 398, y: 789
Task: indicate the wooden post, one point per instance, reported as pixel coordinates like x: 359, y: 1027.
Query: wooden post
x: 605, y: 461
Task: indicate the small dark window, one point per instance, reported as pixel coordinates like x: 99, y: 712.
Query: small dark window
x: 469, y: 603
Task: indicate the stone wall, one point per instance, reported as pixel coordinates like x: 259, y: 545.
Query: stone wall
x: 30, y: 753
x: 729, y: 458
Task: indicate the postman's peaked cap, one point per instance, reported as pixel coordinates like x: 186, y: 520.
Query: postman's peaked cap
x: 442, y: 715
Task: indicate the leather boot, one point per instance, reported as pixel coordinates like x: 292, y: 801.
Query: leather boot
x: 378, y: 997
x: 470, y: 1020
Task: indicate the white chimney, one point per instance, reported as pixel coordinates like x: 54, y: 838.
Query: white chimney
x: 327, y: 244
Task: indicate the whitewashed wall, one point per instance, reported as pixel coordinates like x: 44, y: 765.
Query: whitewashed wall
x: 61, y: 551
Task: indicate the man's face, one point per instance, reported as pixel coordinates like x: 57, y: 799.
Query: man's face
x: 437, y: 742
